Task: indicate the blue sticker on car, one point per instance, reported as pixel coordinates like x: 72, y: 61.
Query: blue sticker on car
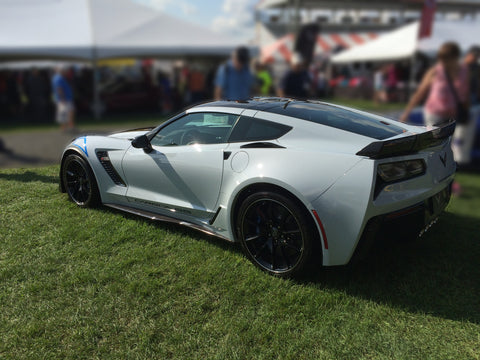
x: 83, y: 144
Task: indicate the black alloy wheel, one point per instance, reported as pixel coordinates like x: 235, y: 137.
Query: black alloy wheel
x: 79, y: 181
x: 275, y: 233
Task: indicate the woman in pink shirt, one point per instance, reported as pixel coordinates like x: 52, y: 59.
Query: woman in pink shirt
x: 441, y: 104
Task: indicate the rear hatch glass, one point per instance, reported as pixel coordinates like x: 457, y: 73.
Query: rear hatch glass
x: 361, y: 123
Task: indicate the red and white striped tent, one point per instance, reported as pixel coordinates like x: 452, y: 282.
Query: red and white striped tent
x: 282, y: 49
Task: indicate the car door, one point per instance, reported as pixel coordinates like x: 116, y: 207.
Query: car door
x: 183, y: 172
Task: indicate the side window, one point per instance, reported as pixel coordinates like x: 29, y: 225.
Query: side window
x: 196, y: 128
x: 252, y: 129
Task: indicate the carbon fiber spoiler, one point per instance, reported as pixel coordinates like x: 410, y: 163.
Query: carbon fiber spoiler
x: 409, y: 144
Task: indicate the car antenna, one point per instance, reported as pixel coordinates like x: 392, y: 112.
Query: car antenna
x: 288, y: 102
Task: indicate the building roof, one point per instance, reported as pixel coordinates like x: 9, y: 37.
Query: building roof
x: 442, y: 5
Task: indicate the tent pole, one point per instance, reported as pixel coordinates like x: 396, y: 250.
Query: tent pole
x: 411, y: 78
x: 97, y: 113
x: 296, y: 22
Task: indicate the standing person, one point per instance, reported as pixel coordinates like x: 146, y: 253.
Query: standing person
x: 391, y: 82
x: 446, y: 85
x: 380, y: 92
x: 234, y: 80
x: 63, y: 96
x: 37, y: 89
x: 320, y: 83
x: 296, y: 83
x: 196, y: 85
x: 264, y: 78
x: 443, y: 83
x: 465, y: 133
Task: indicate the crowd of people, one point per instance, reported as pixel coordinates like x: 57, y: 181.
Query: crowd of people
x: 450, y: 88
x: 29, y: 94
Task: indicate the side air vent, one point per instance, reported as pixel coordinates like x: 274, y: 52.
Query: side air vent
x: 107, y: 165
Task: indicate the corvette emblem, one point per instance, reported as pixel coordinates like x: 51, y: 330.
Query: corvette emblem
x: 443, y: 159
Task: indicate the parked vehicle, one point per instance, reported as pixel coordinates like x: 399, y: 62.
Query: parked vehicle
x: 292, y: 181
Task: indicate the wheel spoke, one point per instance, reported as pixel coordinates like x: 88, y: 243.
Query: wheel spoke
x: 251, y: 238
x: 292, y: 247
x: 290, y: 232
x: 270, y: 210
x: 286, y: 220
x: 273, y: 256
x: 285, y: 257
x: 262, y: 248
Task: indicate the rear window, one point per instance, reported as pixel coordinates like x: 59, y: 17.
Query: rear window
x: 363, y: 124
x: 252, y: 129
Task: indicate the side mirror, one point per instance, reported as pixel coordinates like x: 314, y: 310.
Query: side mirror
x: 142, y: 142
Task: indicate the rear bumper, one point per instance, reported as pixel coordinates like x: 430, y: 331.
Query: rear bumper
x: 404, y: 224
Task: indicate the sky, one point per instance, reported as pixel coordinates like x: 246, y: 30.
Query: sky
x: 234, y: 18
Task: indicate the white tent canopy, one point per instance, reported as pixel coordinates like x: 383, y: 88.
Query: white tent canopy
x: 96, y: 29
x: 403, y: 43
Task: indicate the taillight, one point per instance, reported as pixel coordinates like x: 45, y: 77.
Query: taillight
x: 401, y: 170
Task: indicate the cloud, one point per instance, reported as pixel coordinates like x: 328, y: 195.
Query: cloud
x: 237, y: 19
x: 187, y: 8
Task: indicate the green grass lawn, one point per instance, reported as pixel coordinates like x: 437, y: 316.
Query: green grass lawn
x: 82, y: 283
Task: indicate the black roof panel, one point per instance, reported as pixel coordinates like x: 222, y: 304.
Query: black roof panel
x: 360, y: 123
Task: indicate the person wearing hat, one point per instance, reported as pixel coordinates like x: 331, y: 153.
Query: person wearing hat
x: 296, y: 82
x: 234, y: 80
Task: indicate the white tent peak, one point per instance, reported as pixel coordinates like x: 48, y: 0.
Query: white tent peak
x: 403, y: 42
x: 95, y: 29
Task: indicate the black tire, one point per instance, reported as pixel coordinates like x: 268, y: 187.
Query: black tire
x: 275, y: 234
x: 79, y: 181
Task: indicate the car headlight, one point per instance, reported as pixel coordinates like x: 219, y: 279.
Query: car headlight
x: 401, y: 170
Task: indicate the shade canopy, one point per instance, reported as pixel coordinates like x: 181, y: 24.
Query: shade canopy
x: 96, y: 29
x: 283, y: 48
x: 403, y: 42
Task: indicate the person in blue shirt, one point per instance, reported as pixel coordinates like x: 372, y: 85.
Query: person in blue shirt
x: 234, y: 80
x: 63, y: 96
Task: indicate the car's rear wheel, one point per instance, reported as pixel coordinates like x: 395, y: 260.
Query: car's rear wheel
x: 275, y: 234
x: 79, y: 181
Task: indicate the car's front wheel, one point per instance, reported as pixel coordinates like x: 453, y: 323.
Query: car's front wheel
x: 79, y: 181
x: 275, y: 234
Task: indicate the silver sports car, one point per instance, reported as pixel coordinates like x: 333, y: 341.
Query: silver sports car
x: 292, y: 181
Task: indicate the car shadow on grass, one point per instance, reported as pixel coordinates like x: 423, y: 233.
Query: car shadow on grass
x: 182, y: 230
x: 9, y: 157
x: 27, y: 176
x: 438, y: 274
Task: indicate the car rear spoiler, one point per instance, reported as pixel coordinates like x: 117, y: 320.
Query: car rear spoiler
x: 409, y: 144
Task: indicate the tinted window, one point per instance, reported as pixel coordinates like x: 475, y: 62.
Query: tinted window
x: 359, y: 123
x: 196, y: 128
x: 251, y: 129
